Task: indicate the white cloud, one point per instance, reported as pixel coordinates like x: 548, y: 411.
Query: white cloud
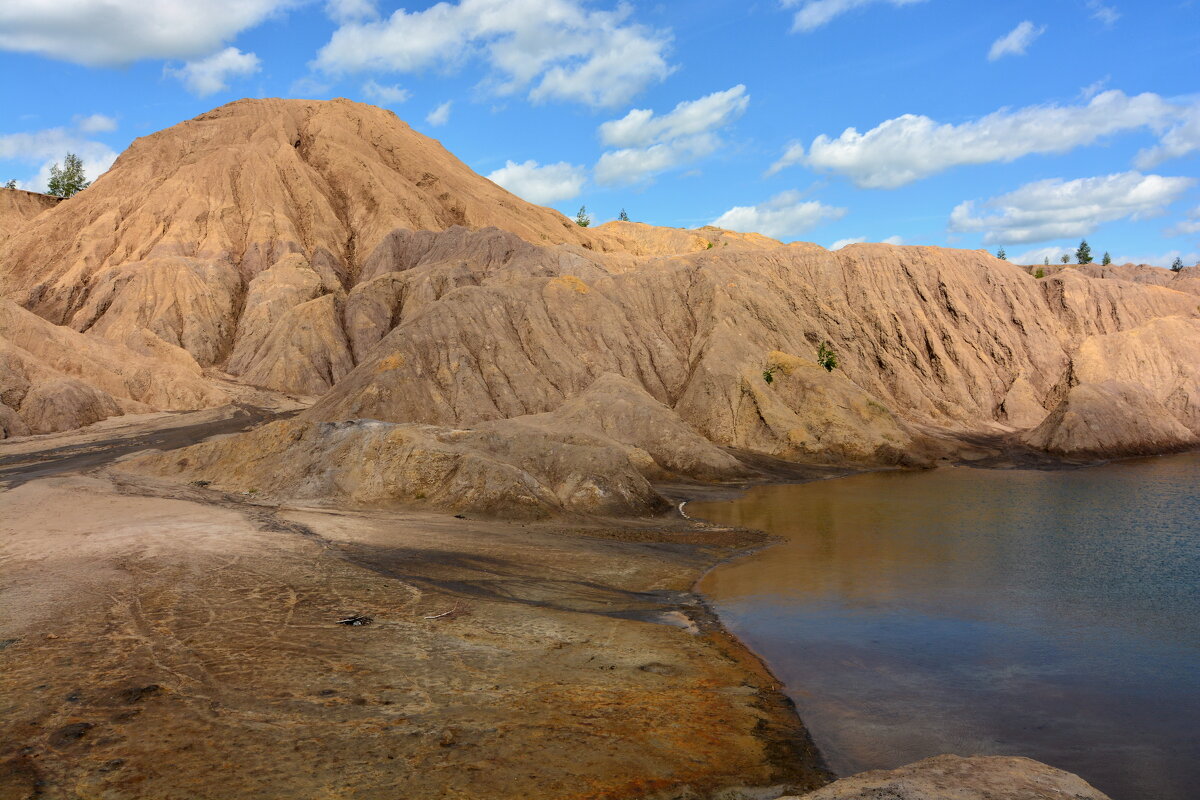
x: 814, y: 14
x: 350, y: 10
x: 116, y: 32
x: 651, y: 144
x: 559, y: 49
x: 1187, y: 226
x: 910, y: 147
x: 210, y: 75
x: 1054, y: 208
x: 46, y: 147
x: 1093, y: 89
x: 96, y: 123
x: 440, y: 115
x: 840, y: 243
x: 1040, y: 254
x: 1181, y: 140
x: 1188, y: 258
x: 538, y: 184
x: 1016, y: 41
x: 1105, y: 13
x: 387, y: 95
x: 783, y: 216
x: 794, y: 154
x: 640, y: 127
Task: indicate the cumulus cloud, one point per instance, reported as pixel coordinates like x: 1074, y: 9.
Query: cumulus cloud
x: 558, y: 49
x: 785, y: 215
x: 387, y: 95
x: 650, y: 144
x: 116, y: 32
x: 840, y: 243
x: 640, y: 127
x: 1189, y: 258
x: 1180, y: 140
x: 1054, y: 208
x: 814, y: 14
x: 1016, y: 41
x: 1187, y: 226
x: 96, y: 123
x: 210, y: 75
x: 44, y: 148
x: 541, y: 184
x: 910, y: 147
x: 440, y: 115
x: 350, y: 10
x: 1041, y: 254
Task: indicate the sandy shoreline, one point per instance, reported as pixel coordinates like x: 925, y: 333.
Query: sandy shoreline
x: 163, y: 640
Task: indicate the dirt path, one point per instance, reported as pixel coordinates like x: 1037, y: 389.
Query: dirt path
x: 90, y: 448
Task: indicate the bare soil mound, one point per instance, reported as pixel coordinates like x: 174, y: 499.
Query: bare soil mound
x: 327, y: 249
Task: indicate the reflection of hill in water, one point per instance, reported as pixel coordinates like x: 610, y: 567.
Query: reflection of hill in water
x: 1047, y: 614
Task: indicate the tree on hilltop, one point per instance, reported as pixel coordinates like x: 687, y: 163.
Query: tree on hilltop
x: 1000, y: 254
x: 1084, y: 254
x: 582, y: 219
x: 623, y: 217
x: 12, y: 184
x: 1107, y: 259
x: 69, y: 178
x: 1066, y: 258
x: 1177, y: 264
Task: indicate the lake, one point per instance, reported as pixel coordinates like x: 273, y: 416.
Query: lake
x: 1049, y: 614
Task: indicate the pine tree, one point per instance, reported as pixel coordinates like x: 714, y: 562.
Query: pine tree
x: 1047, y: 261
x: 623, y: 216
x: 1000, y: 254
x: 582, y: 219
x: 1107, y: 259
x: 1177, y: 264
x: 1084, y: 254
x: 68, y: 179
x: 12, y: 184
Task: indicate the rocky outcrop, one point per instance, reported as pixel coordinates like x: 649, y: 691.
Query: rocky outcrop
x: 956, y: 778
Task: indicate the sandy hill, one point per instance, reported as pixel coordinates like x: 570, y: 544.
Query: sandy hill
x: 327, y: 249
x: 17, y: 207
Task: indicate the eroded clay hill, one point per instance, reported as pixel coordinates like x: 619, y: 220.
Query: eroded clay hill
x: 327, y: 249
x: 17, y: 207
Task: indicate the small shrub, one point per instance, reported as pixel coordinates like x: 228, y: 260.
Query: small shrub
x: 1041, y: 273
x: 582, y: 219
x: 826, y: 357
x: 769, y: 374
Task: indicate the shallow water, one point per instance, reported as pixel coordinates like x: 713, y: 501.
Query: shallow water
x: 1054, y: 615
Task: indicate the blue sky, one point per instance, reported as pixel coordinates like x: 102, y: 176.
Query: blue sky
x: 1026, y: 125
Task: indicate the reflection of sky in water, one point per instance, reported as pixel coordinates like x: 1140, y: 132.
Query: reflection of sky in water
x: 1048, y: 614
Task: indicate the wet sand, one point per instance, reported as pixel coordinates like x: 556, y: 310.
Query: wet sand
x: 175, y: 642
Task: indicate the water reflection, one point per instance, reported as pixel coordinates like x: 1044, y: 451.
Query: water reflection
x: 1048, y: 614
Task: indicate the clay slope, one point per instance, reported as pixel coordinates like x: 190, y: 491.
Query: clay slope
x: 595, y: 454
x: 17, y: 207
x: 926, y: 337
x: 325, y: 248
x: 54, y: 379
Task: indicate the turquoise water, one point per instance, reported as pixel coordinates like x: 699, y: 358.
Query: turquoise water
x: 1054, y: 615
